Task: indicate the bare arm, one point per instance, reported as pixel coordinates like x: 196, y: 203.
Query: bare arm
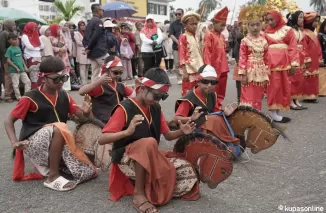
x: 10, y: 128
x: 108, y: 138
x: 173, y: 135
x: 12, y: 64
x: 181, y: 118
x: 89, y: 88
x: 174, y: 39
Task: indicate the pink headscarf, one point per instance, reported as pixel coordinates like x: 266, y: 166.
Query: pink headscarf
x: 125, y: 49
x: 149, y: 31
x: 278, y: 20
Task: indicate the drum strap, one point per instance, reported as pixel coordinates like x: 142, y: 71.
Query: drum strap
x: 226, y: 121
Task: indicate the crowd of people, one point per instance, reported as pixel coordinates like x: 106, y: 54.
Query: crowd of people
x: 272, y: 57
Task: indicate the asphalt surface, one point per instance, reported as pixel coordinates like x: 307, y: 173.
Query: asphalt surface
x: 291, y: 174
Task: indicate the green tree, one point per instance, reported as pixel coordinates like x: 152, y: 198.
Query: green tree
x: 68, y: 9
x: 189, y: 9
x: 54, y: 21
x: 207, y: 6
x: 319, y: 5
x: 172, y: 13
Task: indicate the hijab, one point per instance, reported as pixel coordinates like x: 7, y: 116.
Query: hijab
x: 149, y: 31
x: 31, y: 30
x: 43, y: 29
x: 54, y: 30
x: 125, y: 48
x: 8, y: 25
x: 79, y: 30
x: 66, y: 33
x: 279, y: 21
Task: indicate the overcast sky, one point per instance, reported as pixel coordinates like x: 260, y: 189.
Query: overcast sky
x: 303, y: 4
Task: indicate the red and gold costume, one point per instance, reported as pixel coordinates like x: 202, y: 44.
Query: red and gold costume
x: 297, y: 79
x: 311, y: 76
x: 283, y: 54
x: 253, y: 64
x: 190, y: 55
x: 214, y: 54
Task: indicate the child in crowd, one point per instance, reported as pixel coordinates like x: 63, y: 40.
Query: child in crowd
x: 126, y: 54
x: 17, y: 66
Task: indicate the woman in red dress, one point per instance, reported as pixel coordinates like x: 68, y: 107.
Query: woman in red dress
x: 311, y: 75
x: 283, y: 61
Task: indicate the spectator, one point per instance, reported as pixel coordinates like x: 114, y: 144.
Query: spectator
x: 81, y: 58
x: 8, y: 27
x: 60, y: 49
x: 177, y: 29
x: 67, y: 35
x: 47, y: 50
x: 112, y: 41
x: 126, y: 56
x: 93, y: 41
x: 17, y: 66
x: 72, y: 28
x: 151, y: 48
x: 32, y: 46
x: 139, y: 63
x: 167, y: 43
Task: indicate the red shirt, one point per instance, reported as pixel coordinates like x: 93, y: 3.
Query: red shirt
x: 118, y: 120
x: 185, y: 106
x: 26, y: 105
x: 99, y: 90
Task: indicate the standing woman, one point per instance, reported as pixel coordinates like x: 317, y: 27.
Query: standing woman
x: 48, y: 49
x: 32, y: 46
x: 283, y: 61
x: 167, y: 43
x: 81, y: 58
x: 322, y: 71
x: 311, y: 75
x: 151, y: 48
x: 72, y: 28
x: 60, y: 49
x: 295, y: 21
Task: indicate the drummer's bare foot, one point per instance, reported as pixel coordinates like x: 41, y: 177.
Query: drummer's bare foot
x: 141, y: 204
x: 230, y: 108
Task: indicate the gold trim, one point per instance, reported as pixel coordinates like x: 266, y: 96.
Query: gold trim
x: 281, y: 69
x: 278, y: 46
x: 307, y: 60
x: 295, y: 64
x: 125, y: 112
x: 199, y: 98
x: 294, y: 97
x: 310, y: 97
x: 55, y: 103
x: 278, y: 107
x: 149, y: 122
x: 33, y: 102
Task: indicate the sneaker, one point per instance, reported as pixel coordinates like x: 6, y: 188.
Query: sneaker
x: 136, y: 77
x: 179, y: 82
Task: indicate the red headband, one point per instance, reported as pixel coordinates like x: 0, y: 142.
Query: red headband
x: 152, y: 84
x: 115, y: 62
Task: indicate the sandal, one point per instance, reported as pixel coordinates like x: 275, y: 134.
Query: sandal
x: 58, y: 184
x: 144, y: 207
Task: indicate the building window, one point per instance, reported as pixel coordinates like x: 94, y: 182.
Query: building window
x: 162, y: 10
x: 47, y: 0
x: 41, y: 7
x: 46, y: 7
x: 157, y: 9
x: 151, y: 8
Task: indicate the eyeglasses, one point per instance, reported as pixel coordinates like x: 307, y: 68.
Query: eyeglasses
x: 117, y: 72
x: 178, y: 14
x: 212, y: 82
x: 158, y: 97
x: 59, y: 79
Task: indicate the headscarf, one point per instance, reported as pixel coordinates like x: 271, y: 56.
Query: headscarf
x: 72, y: 34
x: 66, y: 34
x: 125, y: 48
x: 147, y: 30
x: 43, y: 29
x: 54, y: 30
x: 79, y: 30
x: 279, y: 21
x: 8, y: 25
x: 309, y: 19
x: 293, y: 19
x: 31, y: 30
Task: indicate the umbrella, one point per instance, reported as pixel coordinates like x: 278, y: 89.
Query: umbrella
x: 19, y: 16
x: 118, y: 9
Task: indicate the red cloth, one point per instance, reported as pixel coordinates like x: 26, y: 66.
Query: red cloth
x: 252, y: 94
x: 118, y: 120
x: 278, y: 91
x: 311, y: 87
x: 279, y: 21
x: 31, y: 30
x: 25, y: 105
x: 185, y: 106
x: 98, y: 91
x: 149, y: 31
x: 222, y: 15
x: 220, y: 88
x: 296, y: 81
x: 187, y: 85
x: 54, y: 30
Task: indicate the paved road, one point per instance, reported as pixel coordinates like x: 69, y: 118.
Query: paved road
x: 288, y: 174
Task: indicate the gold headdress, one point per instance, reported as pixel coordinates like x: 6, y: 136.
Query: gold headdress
x: 251, y: 12
x: 292, y: 6
x: 277, y: 5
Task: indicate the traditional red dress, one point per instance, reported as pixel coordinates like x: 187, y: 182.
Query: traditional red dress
x: 311, y: 76
x: 253, y: 63
x: 190, y: 57
x: 214, y: 54
x: 283, y: 54
x: 297, y: 79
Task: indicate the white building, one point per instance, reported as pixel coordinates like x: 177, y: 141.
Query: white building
x: 45, y: 8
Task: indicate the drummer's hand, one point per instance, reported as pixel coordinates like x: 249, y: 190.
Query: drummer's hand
x: 196, y: 114
x: 137, y: 119
x: 86, y: 106
x: 20, y: 145
x: 188, y: 127
x: 230, y: 108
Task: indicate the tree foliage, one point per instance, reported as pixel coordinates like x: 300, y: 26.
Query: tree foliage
x: 68, y: 9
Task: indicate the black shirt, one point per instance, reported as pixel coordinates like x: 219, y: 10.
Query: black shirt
x: 176, y: 29
x: 95, y: 39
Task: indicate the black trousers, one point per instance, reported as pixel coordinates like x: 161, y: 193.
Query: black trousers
x: 134, y: 66
x: 151, y: 60
x: 238, y: 85
x: 168, y: 64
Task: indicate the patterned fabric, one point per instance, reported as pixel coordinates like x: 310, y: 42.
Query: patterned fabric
x: 38, y: 152
x: 186, y: 175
